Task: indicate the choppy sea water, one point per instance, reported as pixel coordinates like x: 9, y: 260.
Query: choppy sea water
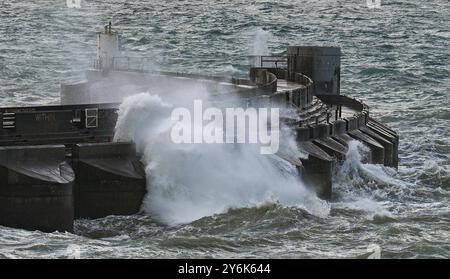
x: 395, y: 59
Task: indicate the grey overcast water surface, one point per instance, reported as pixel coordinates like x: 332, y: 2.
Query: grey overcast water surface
x: 396, y: 59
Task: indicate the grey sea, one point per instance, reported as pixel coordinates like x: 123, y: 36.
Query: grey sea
x: 396, y: 58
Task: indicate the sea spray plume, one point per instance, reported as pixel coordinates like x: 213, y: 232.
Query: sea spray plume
x: 354, y: 173
x: 210, y: 179
x: 351, y: 186
x: 361, y: 186
x: 259, y: 46
x: 260, y: 42
x: 189, y: 181
x: 138, y: 113
x: 349, y: 170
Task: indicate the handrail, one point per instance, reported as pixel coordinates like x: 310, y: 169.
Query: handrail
x: 342, y: 100
x: 269, y: 61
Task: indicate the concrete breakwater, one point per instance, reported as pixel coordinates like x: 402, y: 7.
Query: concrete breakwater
x: 58, y: 163
x: 42, y: 188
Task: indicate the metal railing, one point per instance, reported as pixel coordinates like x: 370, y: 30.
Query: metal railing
x: 125, y: 63
x: 130, y: 63
x: 268, y: 61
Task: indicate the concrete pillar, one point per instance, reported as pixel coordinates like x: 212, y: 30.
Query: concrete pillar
x: 321, y: 64
x: 389, y: 136
x: 361, y: 120
x: 110, y: 180
x: 36, y: 188
x: 332, y: 147
x: 342, y: 138
x: 303, y: 133
x: 352, y: 123
x: 389, y: 133
x: 320, y: 131
x: 339, y: 127
x: 387, y: 145
x: 304, y: 101
x: 318, y: 169
x: 377, y: 150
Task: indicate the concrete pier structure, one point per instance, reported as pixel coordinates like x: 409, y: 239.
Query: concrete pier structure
x: 110, y: 180
x: 36, y: 185
x: 58, y: 162
x: 318, y: 169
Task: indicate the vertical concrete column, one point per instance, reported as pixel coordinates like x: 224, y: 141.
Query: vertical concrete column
x: 110, y: 180
x: 318, y: 174
x: 36, y: 186
x: 318, y: 169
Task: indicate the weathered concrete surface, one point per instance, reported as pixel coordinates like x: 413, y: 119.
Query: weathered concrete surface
x: 343, y: 139
x: 352, y: 123
x: 332, y: 147
x: 36, y: 188
x: 387, y: 145
x: 303, y: 134
x: 339, y: 127
x: 110, y: 180
x: 45, y: 125
x: 388, y: 134
x: 321, y: 130
x: 318, y: 169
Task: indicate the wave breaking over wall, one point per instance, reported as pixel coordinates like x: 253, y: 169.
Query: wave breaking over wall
x: 186, y: 182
